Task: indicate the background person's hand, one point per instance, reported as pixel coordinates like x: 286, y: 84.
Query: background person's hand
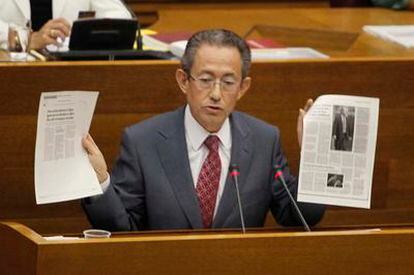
x: 49, y: 33
x: 96, y: 158
x: 301, y: 115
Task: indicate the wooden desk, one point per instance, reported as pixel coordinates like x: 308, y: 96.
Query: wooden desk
x: 308, y: 27
x: 132, y: 91
x: 301, y: 22
x: 387, y: 250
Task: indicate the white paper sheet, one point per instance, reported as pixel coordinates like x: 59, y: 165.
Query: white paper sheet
x: 338, y: 151
x: 61, y: 238
x: 286, y: 53
x: 177, y: 48
x: 62, y: 168
x: 401, y: 34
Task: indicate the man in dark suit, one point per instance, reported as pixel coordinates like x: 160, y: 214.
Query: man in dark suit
x: 343, y: 130
x: 172, y: 172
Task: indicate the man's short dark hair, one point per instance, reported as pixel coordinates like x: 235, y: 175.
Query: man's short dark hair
x: 219, y: 38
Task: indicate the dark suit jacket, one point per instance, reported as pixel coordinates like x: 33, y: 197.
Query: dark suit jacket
x: 341, y: 137
x: 152, y: 187
x: 337, y: 128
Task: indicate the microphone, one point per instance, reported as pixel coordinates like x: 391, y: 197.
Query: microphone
x: 234, y: 173
x: 278, y: 176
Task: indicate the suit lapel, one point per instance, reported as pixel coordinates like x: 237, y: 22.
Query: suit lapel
x: 241, y: 153
x: 24, y: 6
x: 174, y: 158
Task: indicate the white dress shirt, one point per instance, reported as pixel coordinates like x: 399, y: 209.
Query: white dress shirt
x: 343, y: 119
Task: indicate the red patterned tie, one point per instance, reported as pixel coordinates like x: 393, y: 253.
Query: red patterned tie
x: 208, y: 181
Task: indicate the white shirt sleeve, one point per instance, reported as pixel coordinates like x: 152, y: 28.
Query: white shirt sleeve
x: 105, y: 184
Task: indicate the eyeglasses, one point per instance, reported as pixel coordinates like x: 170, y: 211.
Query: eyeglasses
x: 228, y: 83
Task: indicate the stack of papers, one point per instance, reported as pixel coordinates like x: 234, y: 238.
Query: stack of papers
x: 401, y: 34
x: 177, y: 48
x: 286, y: 53
x: 261, y: 48
x: 162, y: 41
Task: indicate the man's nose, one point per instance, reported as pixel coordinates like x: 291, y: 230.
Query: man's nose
x: 215, y: 93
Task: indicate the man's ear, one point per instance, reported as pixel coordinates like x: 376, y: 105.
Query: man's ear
x: 244, y: 86
x: 182, y: 80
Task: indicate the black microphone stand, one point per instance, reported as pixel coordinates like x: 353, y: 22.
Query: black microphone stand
x: 279, y: 176
x: 234, y: 173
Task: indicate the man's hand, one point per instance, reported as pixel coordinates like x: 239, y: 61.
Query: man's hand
x: 95, y: 158
x: 49, y: 33
x: 302, y: 113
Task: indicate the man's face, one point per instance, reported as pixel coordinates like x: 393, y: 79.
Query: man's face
x: 210, y: 106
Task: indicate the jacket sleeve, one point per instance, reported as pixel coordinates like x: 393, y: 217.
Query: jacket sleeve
x: 4, y: 29
x: 281, y: 207
x: 122, y: 206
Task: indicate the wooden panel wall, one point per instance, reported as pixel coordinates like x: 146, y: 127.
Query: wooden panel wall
x: 132, y: 91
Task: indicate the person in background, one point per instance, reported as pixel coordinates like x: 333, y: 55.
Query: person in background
x: 51, y: 20
x: 173, y: 169
x: 395, y: 4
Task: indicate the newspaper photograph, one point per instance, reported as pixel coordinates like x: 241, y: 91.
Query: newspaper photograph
x: 338, y: 151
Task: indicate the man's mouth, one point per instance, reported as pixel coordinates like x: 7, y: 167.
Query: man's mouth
x: 213, y: 108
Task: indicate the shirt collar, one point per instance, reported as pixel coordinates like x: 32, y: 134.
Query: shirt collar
x: 197, y: 134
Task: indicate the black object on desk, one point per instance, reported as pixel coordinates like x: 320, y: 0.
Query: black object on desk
x: 107, y: 55
x: 103, y: 34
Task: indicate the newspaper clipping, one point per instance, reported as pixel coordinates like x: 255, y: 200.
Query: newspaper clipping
x: 338, y: 151
x: 62, y: 168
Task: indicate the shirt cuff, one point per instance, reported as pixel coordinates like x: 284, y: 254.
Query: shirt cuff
x: 105, y: 184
